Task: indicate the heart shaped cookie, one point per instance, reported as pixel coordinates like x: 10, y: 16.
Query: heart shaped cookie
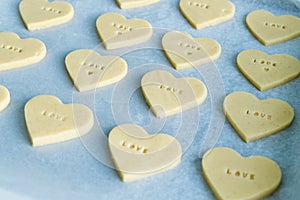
x: 270, y: 29
x: 167, y: 95
x: 40, y: 14
x: 49, y: 121
x: 137, y: 154
x: 4, y: 97
x: 16, y: 52
x: 266, y: 72
x: 231, y: 176
x: 89, y: 70
x: 116, y: 31
x: 253, y: 118
x: 206, y: 13
x: 125, y: 4
x: 184, y: 51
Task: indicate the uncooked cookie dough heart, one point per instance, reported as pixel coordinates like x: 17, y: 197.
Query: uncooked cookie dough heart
x: 253, y: 118
x: 137, y: 154
x: 206, y: 13
x: 4, y: 97
x: 270, y: 29
x: 266, y: 72
x: 89, y: 70
x: 167, y: 95
x: 184, y: 51
x: 125, y: 4
x: 16, y: 52
x: 40, y: 14
x: 116, y: 31
x: 50, y: 121
x: 231, y: 176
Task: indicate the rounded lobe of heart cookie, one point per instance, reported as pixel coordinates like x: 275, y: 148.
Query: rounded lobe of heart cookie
x: 254, y: 119
x: 16, y: 52
x: 167, y: 95
x: 205, y: 13
x: 4, y: 97
x: 40, y: 14
x: 116, y: 31
x: 89, y: 70
x: 270, y: 29
x: 137, y: 154
x: 50, y: 121
x: 126, y: 4
x: 267, y: 71
x: 231, y: 176
x: 184, y: 51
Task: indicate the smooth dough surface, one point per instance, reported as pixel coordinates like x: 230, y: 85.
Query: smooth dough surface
x: 253, y: 118
x: 116, y: 31
x: 89, y: 70
x: 270, y: 29
x: 206, y: 13
x: 125, y: 4
x: 137, y: 154
x: 4, y: 97
x: 184, y: 51
x: 40, y: 14
x: 231, y: 176
x: 16, y: 52
x: 50, y: 121
x: 167, y: 95
x: 267, y: 71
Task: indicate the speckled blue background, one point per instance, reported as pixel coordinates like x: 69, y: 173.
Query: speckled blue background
x: 69, y: 170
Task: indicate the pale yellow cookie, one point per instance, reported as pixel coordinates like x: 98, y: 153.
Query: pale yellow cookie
x: 16, y: 52
x: 270, y: 29
x: 184, y: 51
x: 4, y: 97
x: 253, y: 118
x: 116, y: 31
x: 125, y: 4
x: 231, y: 176
x: 40, y: 14
x: 167, y: 95
x: 89, y: 70
x: 206, y: 13
x: 267, y: 71
x: 50, y: 121
x: 137, y: 154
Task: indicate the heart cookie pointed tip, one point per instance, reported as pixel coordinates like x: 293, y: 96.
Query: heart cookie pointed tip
x: 130, y: 177
x: 127, y: 4
x: 231, y: 176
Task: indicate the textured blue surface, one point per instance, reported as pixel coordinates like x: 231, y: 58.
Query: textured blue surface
x: 70, y: 170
